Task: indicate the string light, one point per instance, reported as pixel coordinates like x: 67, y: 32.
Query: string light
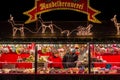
x: 16, y: 27
x: 117, y: 25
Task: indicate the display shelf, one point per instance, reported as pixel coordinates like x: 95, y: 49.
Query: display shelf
x: 44, y: 51
x: 15, y: 62
x: 105, y: 58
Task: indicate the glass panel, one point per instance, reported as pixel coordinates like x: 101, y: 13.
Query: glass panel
x: 17, y: 58
x: 62, y: 58
x: 105, y: 58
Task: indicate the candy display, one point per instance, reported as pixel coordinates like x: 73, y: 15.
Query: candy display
x: 17, y: 58
x: 62, y: 71
x: 17, y: 71
x: 62, y: 58
x: 105, y: 58
x: 59, y: 58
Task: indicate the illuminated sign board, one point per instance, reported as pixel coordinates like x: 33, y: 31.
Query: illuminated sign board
x: 42, y: 6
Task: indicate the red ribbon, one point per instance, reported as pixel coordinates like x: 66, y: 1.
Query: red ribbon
x: 81, y: 6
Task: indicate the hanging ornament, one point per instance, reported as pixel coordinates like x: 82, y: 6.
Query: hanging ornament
x: 32, y: 52
x: 18, y: 50
x: 43, y: 50
x: 1, y: 48
x: 6, y: 50
x: 13, y: 48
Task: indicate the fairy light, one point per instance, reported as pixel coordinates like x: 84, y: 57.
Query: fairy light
x: 45, y: 26
x: 15, y: 26
x: 84, y: 30
x: 117, y: 25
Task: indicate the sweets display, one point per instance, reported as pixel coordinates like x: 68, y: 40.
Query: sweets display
x: 105, y: 58
x: 62, y: 71
x: 60, y: 58
x: 17, y: 58
x: 17, y: 71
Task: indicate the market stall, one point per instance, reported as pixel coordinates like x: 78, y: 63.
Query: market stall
x: 105, y: 58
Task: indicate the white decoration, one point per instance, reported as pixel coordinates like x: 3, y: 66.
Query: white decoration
x: 45, y: 26
x: 16, y: 27
x: 84, y: 30
x: 117, y: 25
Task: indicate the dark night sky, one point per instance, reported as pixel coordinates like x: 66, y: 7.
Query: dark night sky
x: 107, y: 8
x: 16, y: 7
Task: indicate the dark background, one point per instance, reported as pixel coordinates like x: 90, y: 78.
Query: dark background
x: 16, y: 7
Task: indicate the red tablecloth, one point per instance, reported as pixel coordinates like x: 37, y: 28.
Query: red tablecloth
x: 18, y: 64
x: 11, y: 58
x: 113, y: 59
x: 102, y: 64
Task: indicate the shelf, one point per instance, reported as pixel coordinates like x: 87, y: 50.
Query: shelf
x: 15, y: 62
x: 105, y: 62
